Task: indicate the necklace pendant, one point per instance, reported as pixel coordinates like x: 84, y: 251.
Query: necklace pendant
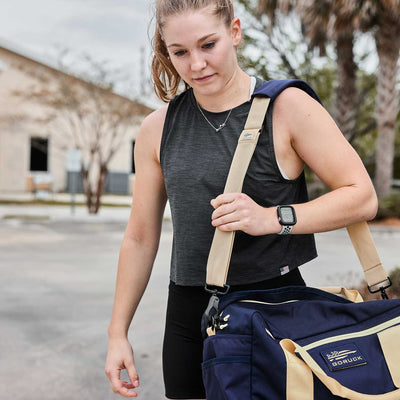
x: 222, y: 126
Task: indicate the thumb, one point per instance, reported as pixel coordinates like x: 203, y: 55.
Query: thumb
x: 132, y: 373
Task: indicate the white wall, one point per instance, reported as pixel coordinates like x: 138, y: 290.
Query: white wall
x: 21, y: 119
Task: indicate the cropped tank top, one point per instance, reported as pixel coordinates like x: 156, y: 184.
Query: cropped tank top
x: 195, y: 162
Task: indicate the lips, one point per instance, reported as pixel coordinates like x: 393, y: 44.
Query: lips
x: 204, y: 78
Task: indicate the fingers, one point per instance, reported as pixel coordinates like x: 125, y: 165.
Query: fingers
x: 120, y: 387
x: 224, y: 211
x: 133, y: 375
x: 238, y: 212
x: 224, y: 199
x: 230, y: 211
x: 225, y: 219
x: 225, y: 204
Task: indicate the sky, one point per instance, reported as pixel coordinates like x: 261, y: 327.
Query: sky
x: 112, y: 31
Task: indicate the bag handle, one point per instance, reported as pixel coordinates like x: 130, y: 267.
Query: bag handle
x: 221, y: 247
x: 299, y: 372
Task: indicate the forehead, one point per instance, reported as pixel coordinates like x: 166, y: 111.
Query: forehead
x: 191, y: 25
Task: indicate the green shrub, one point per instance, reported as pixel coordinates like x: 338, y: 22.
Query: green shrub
x: 389, y: 207
x: 395, y: 277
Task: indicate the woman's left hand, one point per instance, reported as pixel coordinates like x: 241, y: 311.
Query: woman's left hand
x: 238, y: 212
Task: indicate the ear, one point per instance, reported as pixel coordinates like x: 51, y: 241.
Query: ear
x: 236, y: 30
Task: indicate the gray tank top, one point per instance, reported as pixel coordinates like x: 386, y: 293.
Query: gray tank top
x: 195, y: 162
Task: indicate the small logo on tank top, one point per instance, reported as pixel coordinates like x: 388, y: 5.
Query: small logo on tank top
x: 284, y: 270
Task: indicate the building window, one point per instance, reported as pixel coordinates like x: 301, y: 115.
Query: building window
x: 133, y: 158
x: 39, y: 154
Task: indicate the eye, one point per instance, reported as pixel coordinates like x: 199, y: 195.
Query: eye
x: 209, y: 45
x: 179, y: 53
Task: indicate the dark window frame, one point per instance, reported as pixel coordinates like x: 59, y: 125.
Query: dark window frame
x: 39, y: 154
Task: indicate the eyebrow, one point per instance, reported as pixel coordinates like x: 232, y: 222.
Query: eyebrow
x: 200, y: 40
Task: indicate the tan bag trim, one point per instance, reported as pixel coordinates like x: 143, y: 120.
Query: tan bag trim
x: 299, y: 379
x: 289, y: 347
x: 389, y: 340
x: 349, y: 294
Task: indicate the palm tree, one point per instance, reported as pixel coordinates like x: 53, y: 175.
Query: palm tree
x: 320, y: 25
x: 382, y: 18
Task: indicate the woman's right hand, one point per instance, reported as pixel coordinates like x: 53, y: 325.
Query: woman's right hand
x: 119, y: 357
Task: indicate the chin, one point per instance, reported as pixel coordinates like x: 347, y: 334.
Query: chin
x: 207, y: 90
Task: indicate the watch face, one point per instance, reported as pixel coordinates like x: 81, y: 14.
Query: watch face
x: 287, y: 216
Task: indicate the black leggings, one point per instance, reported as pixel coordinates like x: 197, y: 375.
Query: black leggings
x: 183, y: 342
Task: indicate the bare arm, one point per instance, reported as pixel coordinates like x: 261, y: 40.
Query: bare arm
x: 138, y: 251
x: 305, y: 133
x: 319, y: 143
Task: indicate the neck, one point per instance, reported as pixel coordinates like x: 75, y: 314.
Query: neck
x: 235, y: 92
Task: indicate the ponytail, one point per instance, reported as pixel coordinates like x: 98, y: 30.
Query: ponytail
x: 166, y: 79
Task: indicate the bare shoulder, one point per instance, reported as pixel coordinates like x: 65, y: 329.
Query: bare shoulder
x: 298, y: 112
x: 156, y: 118
x: 295, y: 100
x: 150, y: 132
x: 153, y: 124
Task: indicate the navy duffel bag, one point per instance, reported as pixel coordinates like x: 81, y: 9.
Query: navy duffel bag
x: 300, y: 343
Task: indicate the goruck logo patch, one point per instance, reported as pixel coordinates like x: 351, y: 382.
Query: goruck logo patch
x: 345, y: 356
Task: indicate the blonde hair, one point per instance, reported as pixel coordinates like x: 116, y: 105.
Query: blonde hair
x: 165, y: 77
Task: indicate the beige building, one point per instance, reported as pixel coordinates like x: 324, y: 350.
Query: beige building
x: 34, y: 145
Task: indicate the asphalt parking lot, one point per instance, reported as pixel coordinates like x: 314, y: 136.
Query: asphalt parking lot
x: 57, y: 275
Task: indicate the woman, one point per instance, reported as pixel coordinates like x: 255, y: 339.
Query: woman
x: 183, y: 152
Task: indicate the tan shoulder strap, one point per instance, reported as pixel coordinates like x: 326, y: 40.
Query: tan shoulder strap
x: 221, y: 247
x: 375, y: 273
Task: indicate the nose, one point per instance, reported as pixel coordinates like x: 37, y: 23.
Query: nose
x: 197, y: 62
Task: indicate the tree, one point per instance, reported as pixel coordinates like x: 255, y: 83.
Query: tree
x: 86, y: 114
x: 280, y: 51
x: 320, y: 26
x: 382, y: 18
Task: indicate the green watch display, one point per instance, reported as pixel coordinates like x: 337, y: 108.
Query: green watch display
x: 287, y: 218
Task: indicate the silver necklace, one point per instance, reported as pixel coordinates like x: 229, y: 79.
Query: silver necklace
x: 221, y: 126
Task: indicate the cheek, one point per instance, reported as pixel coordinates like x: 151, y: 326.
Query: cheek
x: 178, y: 64
x: 226, y: 57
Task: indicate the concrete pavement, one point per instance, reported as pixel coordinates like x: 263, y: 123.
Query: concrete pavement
x: 57, y: 281
x: 57, y: 275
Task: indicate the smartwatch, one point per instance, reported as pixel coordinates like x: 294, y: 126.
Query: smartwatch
x: 287, y: 218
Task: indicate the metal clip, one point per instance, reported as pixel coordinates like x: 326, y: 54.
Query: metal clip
x: 382, y: 288
x: 213, y: 289
x: 210, y: 316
